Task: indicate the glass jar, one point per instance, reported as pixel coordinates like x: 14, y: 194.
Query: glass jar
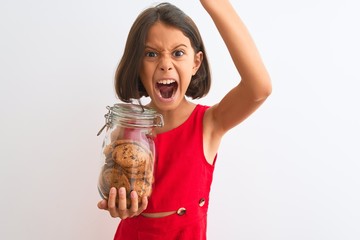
x: 128, y: 150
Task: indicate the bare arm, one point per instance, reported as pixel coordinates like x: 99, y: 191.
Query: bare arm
x: 255, y: 84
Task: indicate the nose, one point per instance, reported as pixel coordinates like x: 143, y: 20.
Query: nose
x: 165, y: 68
x: 165, y: 64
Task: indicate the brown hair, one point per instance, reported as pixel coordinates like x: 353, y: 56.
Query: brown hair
x: 128, y: 85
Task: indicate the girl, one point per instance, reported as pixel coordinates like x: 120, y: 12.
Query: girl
x: 165, y: 59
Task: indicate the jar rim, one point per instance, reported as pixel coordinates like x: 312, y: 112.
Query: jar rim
x: 135, y: 115
x: 142, y: 111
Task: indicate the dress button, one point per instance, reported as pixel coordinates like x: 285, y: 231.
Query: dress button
x: 202, y: 202
x: 181, y: 211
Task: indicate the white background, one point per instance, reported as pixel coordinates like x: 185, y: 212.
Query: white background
x: 290, y: 171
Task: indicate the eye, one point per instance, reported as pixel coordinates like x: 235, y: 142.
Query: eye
x: 151, y: 54
x: 178, y: 53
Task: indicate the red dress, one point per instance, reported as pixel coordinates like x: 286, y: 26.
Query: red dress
x: 182, y: 183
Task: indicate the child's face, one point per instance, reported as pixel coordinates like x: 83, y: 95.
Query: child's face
x: 168, y: 64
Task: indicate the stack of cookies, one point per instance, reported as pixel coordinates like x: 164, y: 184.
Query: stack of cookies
x: 128, y: 164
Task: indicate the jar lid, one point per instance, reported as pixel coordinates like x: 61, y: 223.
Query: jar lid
x: 134, y: 115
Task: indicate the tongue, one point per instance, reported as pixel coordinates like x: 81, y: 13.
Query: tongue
x: 166, y: 91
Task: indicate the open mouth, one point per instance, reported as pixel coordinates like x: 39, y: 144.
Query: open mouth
x: 167, y: 88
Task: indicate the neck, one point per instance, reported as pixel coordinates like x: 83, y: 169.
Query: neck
x: 174, y: 117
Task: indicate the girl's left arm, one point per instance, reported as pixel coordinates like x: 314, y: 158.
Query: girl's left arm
x: 255, y: 84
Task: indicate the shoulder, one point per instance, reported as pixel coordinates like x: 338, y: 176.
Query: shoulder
x: 200, y: 111
x: 202, y: 108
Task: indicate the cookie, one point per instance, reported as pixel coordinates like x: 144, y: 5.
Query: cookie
x: 113, y: 177
x: 130, y: 155
x: 108, y: 149
x: 142, y: 188
x: 128, y: 164
x: 135, y: 173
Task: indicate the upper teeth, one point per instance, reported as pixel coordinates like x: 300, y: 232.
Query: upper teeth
x: 167, y: 81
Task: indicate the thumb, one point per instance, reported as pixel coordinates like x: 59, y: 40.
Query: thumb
x: 102, y: 205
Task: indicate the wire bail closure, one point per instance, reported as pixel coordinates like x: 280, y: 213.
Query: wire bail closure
x: 131, y: 116
x: 107, y: 120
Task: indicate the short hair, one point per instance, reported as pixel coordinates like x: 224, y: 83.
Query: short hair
x: 128, y: 85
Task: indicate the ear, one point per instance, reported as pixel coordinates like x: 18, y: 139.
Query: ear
x: 198, y: 58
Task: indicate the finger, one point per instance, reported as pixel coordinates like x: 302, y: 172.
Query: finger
x: 144, y: 203
x: 112, y: 203
x: 102, y: 205
x: 134, y: 203
x: 122, y: 210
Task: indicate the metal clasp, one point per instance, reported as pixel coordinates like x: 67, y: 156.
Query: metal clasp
x: 160, y: 122
x: 107, y: 120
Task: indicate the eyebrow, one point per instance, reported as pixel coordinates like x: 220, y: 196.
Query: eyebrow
x: 177, y: 46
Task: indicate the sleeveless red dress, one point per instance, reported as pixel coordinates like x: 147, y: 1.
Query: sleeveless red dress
x: 183, y: 179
